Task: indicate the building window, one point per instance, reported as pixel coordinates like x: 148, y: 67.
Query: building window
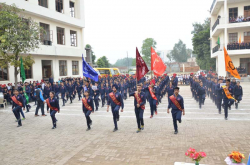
x: 28, y: 73
x: 73, y: 39
x: 75, y: 67
x: 59, y: 6
x: 3, y: 74
x: 247, y: 37
x: 246, y: 11
x: 233, y: 13
x: 60, y: 36
x: 72, y: 9
x: 43, y: 3
x: 233, y: 37
x: 45, y: 35
x: 63, y: 67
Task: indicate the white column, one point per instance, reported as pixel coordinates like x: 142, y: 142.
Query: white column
x: 226, y: 22
x: 66, y: 7
x: 52, y: 5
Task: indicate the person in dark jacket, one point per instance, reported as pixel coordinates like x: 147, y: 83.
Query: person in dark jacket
x: 238, y: 94
x: 40, y: 101
x: 18, y: 104
x: 139, y: 103
x: 201, y: 94
x: 116, y: 102
x: 87, y: 108
x: 53, y: 105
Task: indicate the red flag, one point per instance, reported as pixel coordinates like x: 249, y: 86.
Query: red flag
x: 157, y: 65
x: 141, y: 67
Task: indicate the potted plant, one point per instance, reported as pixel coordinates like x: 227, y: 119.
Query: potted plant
x: 195, y: 156
x: 235, y: 158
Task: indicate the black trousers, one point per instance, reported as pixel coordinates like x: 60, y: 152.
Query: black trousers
x: 39, y: 105
x: 139, y: 117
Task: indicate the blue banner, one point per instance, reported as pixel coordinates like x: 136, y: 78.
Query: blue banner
x: 248, y: 163
x: 88, y: 71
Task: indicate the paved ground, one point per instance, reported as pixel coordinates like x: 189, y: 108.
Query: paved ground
x: 69, y: 144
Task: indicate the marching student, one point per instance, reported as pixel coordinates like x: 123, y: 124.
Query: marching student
x: 40, y: 101
x: 79, y: 90
x: 102, y: 91
x: 87, y: 108
x: 53, y: 105
x: 17, y: 105
x: 70, y: 89
x: 116, y: 102
x: 63, y: 90
x: 177, y: 105
x: 201, y: 94
x: 152, y: 98
x: 238, y: 94
x: 139, y: 103
x: 227, y: 98
x: 96, y: 96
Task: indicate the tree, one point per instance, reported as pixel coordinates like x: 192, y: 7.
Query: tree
x: 18, y: 35
x: 201, y: 45
x: 100, y: 63
x: 124, y: 62
x: 146, y: 49
x: 103, y: 62
x: 179, y: 52
x: 92, y: 53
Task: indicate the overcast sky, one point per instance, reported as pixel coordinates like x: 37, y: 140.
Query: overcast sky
x: 114, y: 27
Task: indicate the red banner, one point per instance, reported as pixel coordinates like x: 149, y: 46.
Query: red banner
x: 141, y: 67
x: 157, y: 65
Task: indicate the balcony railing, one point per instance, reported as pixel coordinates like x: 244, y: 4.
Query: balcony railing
x: 217, y: 22
x: 237, y: 46
x: 216, y: 48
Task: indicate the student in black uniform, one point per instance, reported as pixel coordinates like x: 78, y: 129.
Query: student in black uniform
x: 139, y: 103
x: 96, y: 96
x: 53, y: 105
x: 87, y: 108
x: 201, y: 94
x: 17, y: 105
x: 238, y: 94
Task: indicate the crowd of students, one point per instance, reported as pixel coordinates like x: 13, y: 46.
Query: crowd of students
x: 218, y: 89
x: 239, y: 19
x: 237, y: 46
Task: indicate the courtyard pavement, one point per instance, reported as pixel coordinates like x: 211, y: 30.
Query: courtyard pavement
x: 35, y: 143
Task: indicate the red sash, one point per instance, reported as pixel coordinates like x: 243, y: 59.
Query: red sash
x: 112, y: 96
x: 138, y: 99
x: 52, y: 108
x: 16, y: 101
x: 85, y: 103
x: 151, y: 92
x: 175, y: 102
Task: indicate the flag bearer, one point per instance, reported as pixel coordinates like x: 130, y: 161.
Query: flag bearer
x: 116, y: 102
x: 152, y: 98
x: 177, y: 105
x: 87, y: 108
x: 227, y: 97
x: 139, y: 103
